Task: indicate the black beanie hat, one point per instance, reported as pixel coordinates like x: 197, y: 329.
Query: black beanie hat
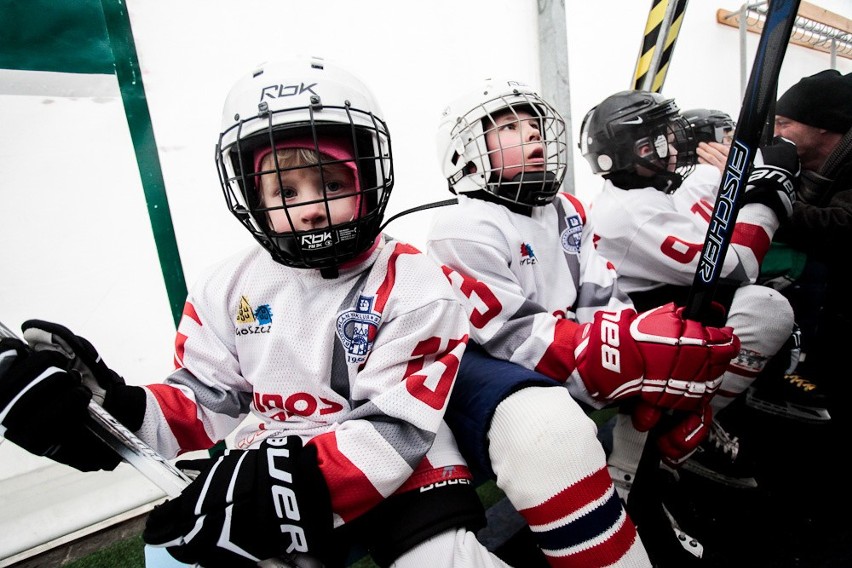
x: 823, y: 100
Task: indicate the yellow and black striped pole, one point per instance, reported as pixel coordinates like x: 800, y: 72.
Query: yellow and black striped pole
x: 658, y: 43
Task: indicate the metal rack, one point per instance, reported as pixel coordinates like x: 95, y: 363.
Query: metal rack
x: 815, y: 28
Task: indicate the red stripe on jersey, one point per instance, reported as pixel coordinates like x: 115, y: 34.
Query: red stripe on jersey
x: 384, y: 290
x: 606, y: 553
x: 570, y: 500
x: 189, y: 311
x: 180, y: 349
x: 352, y: 493
x: 578, y: 205
x: 427, y: 474
x: 558, y: 360
x: 182, y: 417
x: 180, y: 338
x: 752, y: 236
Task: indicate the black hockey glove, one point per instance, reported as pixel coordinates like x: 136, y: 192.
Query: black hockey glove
x: 774, y: 183
x: 125, y: 403
x: 44, y: 408
x: 247, y: 506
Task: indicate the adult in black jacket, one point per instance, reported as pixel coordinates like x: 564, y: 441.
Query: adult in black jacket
x: 816, y: 114
x: 801, y: 470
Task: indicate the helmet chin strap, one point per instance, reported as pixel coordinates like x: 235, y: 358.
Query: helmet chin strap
x: 538, y: 188
x: 664, y: 181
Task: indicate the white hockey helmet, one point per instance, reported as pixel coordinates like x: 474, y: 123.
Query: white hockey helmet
x: 311, y: 100
x: 465, y: 159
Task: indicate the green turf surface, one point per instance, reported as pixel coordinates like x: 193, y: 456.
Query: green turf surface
x: 126, y: 553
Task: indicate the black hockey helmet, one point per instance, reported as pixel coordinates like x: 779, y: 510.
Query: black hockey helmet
x: 710, y: 125
x: 614, y: 130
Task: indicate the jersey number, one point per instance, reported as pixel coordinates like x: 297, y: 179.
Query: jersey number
x: 417, y: 384
x: 470, y: 287
x: 680, y: 250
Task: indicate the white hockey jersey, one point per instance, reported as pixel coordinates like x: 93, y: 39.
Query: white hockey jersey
x: 526, y: 281
x: 361, y: 366
x: 655, y: 238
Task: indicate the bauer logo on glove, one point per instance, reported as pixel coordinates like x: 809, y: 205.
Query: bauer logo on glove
x: 246, y: 506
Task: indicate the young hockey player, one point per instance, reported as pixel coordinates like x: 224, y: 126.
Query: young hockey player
x: 710, y: 125
x: 713, y: 131
x: 651, y: 221
x: 549, y: 328
x: 341, y: 343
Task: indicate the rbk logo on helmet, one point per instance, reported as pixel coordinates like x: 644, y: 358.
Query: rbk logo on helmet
x: 316, y: 241
x: 280, y: 91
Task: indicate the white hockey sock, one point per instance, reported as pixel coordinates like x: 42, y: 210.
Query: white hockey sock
x: 552, y: 468
x: 763, y: 320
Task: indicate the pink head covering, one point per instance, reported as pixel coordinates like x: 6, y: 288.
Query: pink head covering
x: 336, y: 148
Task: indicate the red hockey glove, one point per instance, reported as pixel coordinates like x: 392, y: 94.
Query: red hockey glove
x: 680, y: 442
x: 669, y: 361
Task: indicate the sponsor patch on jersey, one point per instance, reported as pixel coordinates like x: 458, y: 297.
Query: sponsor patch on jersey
x: 357, y: 328
x: 527, y: 254
x: 570, y: 237
x: 251, y: 320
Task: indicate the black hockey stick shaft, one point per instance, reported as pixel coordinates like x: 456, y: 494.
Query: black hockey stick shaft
x: 757, y: 101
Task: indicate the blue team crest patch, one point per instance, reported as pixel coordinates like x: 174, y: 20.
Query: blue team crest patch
x: 357, y: 327
x: 570, y: 237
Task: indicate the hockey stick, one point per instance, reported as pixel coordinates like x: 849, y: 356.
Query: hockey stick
x: 129, y: 447
x: 152, y: 465
x: 757, y: 100
x: 658, y: 43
